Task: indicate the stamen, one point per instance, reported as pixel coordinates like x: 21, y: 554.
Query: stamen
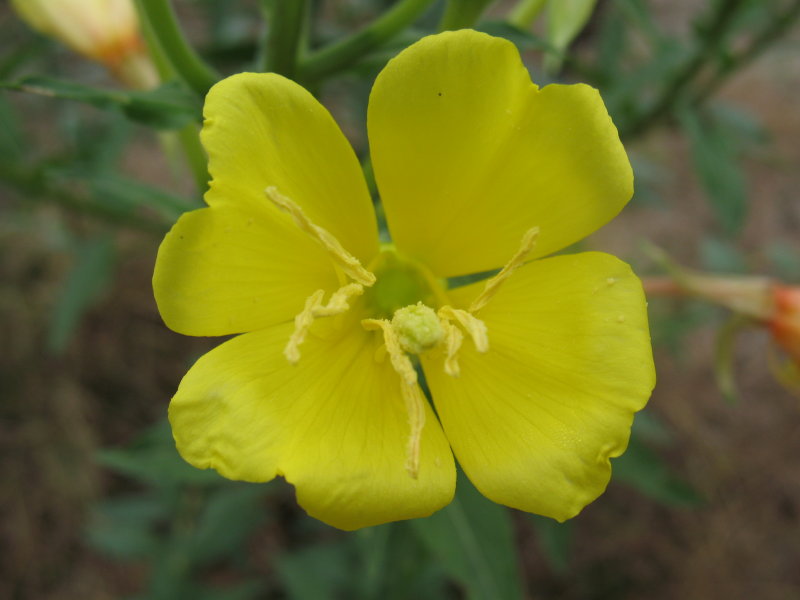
x: 412, y: 395
x: 348, y: 263
x: 493, y: 284
x: 314, y: 308
x: 400, y: 361
x: 471, y: 324
x: 415, y: 407
x: 452, y: 339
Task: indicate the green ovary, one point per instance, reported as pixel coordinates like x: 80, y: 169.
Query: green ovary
x: 400, y: 283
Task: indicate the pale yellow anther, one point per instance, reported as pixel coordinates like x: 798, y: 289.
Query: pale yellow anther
x: 452, y: 341
x: 470, y: 323
x: 493, y: 284
x: 400, y: 361
x: 349, y: 264
x: 314, y: 308
x: 412, y: 395
x: 415, y: 408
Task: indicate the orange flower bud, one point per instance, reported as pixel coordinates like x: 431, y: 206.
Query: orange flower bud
x: 785, y: 322
x: 106, y: 31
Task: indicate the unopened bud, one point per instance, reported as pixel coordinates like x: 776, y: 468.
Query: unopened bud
x: 106, y: 31
x: 785, y: 322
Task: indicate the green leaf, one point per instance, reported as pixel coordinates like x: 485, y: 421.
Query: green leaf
x: 565, y: 20
x: 724, y: 356
x: 122, y: 528
x: 715, y: 159
x: 121, y: 541
x: 521, y: 38
x: 170, y: 106
x: 230, y: 516
x: 130, y: 195
x: 473, y: 541
x: 319, y: 572
x: 722, y: 256
x: 643, y: 470
x: 89, y: 277
x: 555, y: 542
x: 12, y: 144
x: 373, y: 546
x: 153, y: 459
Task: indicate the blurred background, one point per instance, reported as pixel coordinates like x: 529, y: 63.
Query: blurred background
x: 94, y: 501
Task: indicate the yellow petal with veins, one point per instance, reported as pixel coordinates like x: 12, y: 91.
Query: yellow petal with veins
x: 535, y: 420
x: 335, y: 425
x: 262, y: 130
x: 469, y: 154
x: 231, y: 269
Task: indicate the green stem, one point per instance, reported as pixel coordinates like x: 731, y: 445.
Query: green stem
x: 673, y: 92
x: 284, y: 35
x: 461, y: 14
x: 341, y: 55
x: 777, y: 28
x: 160, y: 19
x: 33, y: 185
x: 196, y: 158
x: 525, y: 12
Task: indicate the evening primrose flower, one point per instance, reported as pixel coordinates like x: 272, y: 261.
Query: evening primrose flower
x: 106, y: 31
x: 535, y: 373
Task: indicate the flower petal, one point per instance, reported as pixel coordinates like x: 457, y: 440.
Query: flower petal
x: 334, y: 425
x: 263, y: 130
x: 534, y: 421
x: 469, y: 154
x: 227, y: 269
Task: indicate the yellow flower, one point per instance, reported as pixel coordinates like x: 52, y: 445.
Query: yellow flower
x: 535, y: 373
x: 106, y: 31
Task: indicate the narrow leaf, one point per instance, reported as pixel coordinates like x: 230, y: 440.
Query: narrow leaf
x: 715, y: 160
x: 472, y: 539
x: 170, y: 106
x: 90, y: 274
x: 643, y: 470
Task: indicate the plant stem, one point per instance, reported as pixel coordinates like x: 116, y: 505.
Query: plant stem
x: 459, y: 14
x: 341, y: 55
x: 196, y: 158
x: 160, y: 20
x: 33, y: 184
x: 777, y: 27
x: 672, y: 93
x: 283, y: 37
x: 525, y: 12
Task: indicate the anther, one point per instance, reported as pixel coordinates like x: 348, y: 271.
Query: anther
x: 492, y: 285
x: 471, y: 324
x: 412, y: 395
x: 349, y: 264
x: 338, y: 303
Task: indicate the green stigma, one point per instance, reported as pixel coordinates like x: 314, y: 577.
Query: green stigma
x: 417, y: 327
x: 400, y: 282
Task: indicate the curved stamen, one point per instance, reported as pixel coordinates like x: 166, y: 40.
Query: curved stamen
x: 314, y: 308
x: 349, y: 264
x: 412, y: 395
x: 493, y: 284
x: 346, y: 261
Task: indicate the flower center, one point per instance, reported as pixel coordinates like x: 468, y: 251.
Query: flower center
x: 400, y: 282
x: 400, y: 299
x: 418, y: 328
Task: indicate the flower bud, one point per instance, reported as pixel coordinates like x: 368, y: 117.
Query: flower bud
x: 106, y: 31
x: 785, y: 322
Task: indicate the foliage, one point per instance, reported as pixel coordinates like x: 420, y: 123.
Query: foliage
x: 193, y: 529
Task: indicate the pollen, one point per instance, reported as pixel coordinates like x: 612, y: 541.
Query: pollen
x: 418, y: 328
x: 345, y: 262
